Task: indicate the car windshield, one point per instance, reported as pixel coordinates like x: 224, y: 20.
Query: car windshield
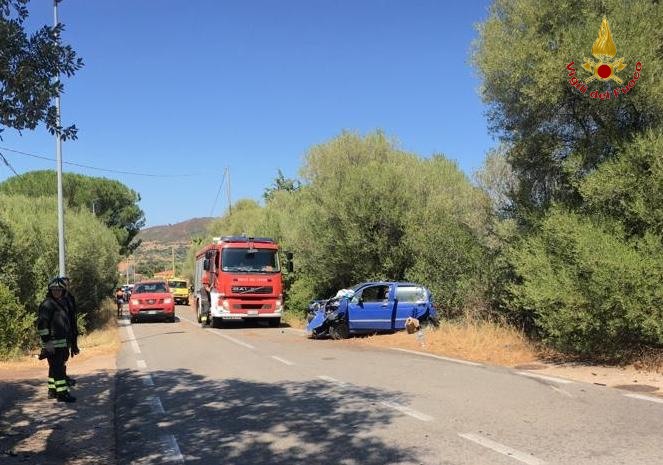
x: 411, y: 294
x: 177, y: 284
x: 149, y: 288
x: 249, y: 260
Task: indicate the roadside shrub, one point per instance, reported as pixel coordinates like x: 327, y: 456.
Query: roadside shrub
x: 16, y: 324
x: 588, y: 290
x: 30, y: 251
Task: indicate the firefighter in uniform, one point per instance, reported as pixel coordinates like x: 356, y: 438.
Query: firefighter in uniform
x: 73, y: 321
x: 55, y: 332
x: 205, y: 302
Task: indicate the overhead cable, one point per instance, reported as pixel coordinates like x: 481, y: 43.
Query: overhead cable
x: 80, y: 165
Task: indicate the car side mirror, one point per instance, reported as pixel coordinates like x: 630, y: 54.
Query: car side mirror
x: 206, y: 264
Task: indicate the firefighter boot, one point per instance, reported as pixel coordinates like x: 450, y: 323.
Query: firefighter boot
x: 66, y: 397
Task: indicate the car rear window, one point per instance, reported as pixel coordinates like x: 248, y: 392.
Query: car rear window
x: 178, y: 284
x: 410, y: 293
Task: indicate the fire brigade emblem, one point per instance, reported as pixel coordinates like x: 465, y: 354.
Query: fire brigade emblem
x: 604, y: 51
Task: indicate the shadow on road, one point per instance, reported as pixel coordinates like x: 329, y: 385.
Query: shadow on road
x: 37, y: 430
x: 237, y: 421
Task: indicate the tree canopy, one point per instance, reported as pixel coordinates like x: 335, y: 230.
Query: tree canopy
x: 29, y: 64
x: 558, y: 135
x: 113, y: 203
x: 583, y: 270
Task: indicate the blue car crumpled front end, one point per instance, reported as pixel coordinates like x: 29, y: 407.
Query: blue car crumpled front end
x: 321, y: 314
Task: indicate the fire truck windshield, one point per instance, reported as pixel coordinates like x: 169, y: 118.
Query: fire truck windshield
x: 253, y: 261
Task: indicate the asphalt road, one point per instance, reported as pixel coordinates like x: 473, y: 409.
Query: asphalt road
x: 258, y: 395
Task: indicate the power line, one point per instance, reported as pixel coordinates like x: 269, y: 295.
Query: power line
x: 8, y: 164
x: 80, y: 165
x: 211, y: 212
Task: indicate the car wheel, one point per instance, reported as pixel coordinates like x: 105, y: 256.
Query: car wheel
x: 339, y: 330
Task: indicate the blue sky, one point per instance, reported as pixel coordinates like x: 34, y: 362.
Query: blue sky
x: 193, y: 86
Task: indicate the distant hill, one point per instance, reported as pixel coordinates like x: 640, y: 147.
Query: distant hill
x: 176, y: 233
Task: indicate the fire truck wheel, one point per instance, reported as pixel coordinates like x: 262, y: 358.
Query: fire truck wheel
x: 198, y: 313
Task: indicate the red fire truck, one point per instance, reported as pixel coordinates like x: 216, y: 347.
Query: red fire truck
x: 239, y: 278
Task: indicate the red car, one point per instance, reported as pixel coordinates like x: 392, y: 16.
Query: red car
x: 152, y: 299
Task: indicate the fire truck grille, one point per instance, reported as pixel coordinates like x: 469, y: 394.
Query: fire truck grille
x: 252, y: 289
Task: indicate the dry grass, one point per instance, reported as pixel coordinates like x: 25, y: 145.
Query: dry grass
x: 293, y: 320
x: 479, y: 341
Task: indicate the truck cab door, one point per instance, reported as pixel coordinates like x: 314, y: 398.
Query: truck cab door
x: 371, y: 309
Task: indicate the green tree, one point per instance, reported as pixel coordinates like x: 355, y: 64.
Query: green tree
x: 281, y: 183
x: 113, y: 203
x: 557, y: 135
x: 28, y: 64
x: 245, y: 218
x: 629, y: 188
x: 583, y: 268
x: 369, y: 211
x: 28, y: 250
x: 587, y: 290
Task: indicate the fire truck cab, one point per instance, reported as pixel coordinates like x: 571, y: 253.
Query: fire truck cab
x: 244, y: 281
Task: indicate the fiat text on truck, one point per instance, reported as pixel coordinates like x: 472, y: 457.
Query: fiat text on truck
x: 244, y: 279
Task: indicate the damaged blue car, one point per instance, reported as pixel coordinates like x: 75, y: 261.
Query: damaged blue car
x: 369, y: 308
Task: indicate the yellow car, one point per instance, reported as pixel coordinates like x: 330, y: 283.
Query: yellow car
x: 180, y: 289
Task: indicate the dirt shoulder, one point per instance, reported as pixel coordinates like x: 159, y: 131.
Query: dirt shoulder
x: 36, y: 430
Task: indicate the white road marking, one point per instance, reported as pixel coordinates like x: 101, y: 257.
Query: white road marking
x: 231, y: 339
x: 173, y: 449
x: 132, y: 340
x: 187, y: 320
x: 439, y: 357
x: 134, y: 346
x: 561, y: 391
x: 333, y: 380
x: 211, y: 331
x: 141, y: 364
x: 523, y: 457
x: 282, y: 360
x: 641, y: 397
x: 408, y: 411
x: 147, y: 380
x: 545, y: 378
x: 156, y: 404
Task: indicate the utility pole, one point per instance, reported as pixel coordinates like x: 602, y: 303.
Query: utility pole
x: 230, y: 208
x: 58, y: 149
